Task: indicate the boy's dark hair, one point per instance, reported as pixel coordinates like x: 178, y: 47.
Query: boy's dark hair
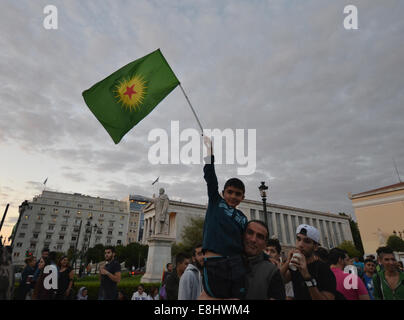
x: 259, y: 222
x: 168, y: 265
x: 276, y: 244
x: 335, y: 254
x: 141, y: 285
x: 384, y: 250
x: 322, y: 253
x: 370, y: 260
x: 110, y: 248
x: 179, y: 258
x: 194, y: 250
x: 236, y: 183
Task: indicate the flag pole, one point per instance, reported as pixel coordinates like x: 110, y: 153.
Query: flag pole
x: 193, y: 111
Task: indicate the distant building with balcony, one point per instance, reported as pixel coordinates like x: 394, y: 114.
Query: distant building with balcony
x: 60, y: 221
x: 136, y: 217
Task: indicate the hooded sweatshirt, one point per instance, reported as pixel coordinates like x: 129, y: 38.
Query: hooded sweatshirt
x: 190, y: 286
x: 80, y: 294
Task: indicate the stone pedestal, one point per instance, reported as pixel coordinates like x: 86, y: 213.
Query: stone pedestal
x: 158, y: 256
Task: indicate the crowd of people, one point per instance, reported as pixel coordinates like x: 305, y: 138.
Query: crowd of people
x: 238, y: 260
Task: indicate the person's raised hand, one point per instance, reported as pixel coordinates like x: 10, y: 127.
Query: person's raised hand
x: 208, y: 143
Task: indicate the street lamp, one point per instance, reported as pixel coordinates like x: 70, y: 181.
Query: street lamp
x: 262, y: 188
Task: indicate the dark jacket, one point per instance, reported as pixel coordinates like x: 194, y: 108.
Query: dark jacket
x: 264, y: 280
x: 172, y: 283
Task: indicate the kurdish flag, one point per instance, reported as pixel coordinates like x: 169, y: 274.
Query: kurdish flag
x: 128, y: 95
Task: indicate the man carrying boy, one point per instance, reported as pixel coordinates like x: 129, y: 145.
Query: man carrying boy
x: 224, y: 269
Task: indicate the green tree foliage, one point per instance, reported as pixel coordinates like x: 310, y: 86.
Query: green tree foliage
x: 395, y: 243
x: 191, y: 235
x: 355, y: 234
x: 350, y: 248
x: 95, y: 254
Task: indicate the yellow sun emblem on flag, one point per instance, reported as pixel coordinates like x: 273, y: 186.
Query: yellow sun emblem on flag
x: 131, y: 92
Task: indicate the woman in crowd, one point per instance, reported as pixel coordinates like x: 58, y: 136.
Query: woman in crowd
x: 40, y: 292
x: 65, y: 280
x: 26, y: 283
x: 154, y: 294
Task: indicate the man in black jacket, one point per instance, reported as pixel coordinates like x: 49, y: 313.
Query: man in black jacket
x: 173, y: 280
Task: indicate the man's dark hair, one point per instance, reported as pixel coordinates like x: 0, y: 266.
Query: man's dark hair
x: 384, y: 250
x: 276, y: 244
x: 370, y: 260
x: 261, y: 223
x: 52, y: 256
x: 322, y: 253
x: 179, y: 258
x: 168, y: 265
x: 236, y: 183
x: 110, y: 248
x: 45, y: 250
x: 196, y: 247
x: 336, y: 254
x: 141, y: 285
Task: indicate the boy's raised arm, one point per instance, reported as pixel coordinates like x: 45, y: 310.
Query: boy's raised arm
x: 209, y: 172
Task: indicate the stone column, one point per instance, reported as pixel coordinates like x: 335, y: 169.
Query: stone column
x: 284, y: 241
x: 275, y: 226
x: 292, y: 232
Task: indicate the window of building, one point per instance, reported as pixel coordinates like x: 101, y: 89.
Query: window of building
x: 48, y: 236
x: 101, y: 215
x: 294, y: 226
x: 32, y: 245
x: 90, y: 215
x: 260, y: 215
x: 63, y: 228
x: 59, y: 247
x: 119, y: 242
x: 40, y: 217
x: 74, y: 238
x: 109, y: 233
x: 61, y: 237
x: 122, y: 217
x: 278, y: 225
x: 90, y: 206
x: 287, y: 231
x: 121, y: 226
x: 270, y: 225
x: 21, y: 235
x: 26, y: 217
x: 67, y: 211
x: 55, y: 210
x: 51, y: 227
x: 35, y: 235
x: 300, y: 220
x: 57, y: 202
x: 79, y: 205
x: 111, y: 224
x: 341, y: 232
x: 54, y: 220
x: 109, y: 241
x: 19, y: 245
x: 42, y: 209
x: 16, y: 254
x: 119, y: 233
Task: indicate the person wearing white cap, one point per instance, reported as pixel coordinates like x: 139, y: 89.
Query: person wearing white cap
x: 312, y: 279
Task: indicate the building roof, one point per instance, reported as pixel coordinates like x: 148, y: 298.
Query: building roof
x: 390, y: 188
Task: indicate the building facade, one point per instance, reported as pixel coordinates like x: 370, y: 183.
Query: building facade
x: 282, y: 221
x: 136, y: 217
x: 380, y: 214
x: 63, y: 221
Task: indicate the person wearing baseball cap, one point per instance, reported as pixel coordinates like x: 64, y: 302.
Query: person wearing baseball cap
x: 312, y: 279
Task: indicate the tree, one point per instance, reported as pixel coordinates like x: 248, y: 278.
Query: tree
x: 355, y: 234
x: 96, y: 253
x: 395, y: 243
x: 191, y: 236
x: 350, y: 248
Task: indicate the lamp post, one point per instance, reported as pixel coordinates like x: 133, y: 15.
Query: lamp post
x: 262, y: 188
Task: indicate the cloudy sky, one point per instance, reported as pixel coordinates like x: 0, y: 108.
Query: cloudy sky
x: 327, y: 103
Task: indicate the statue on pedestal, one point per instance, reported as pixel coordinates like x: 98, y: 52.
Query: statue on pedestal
x: 161, y: 213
